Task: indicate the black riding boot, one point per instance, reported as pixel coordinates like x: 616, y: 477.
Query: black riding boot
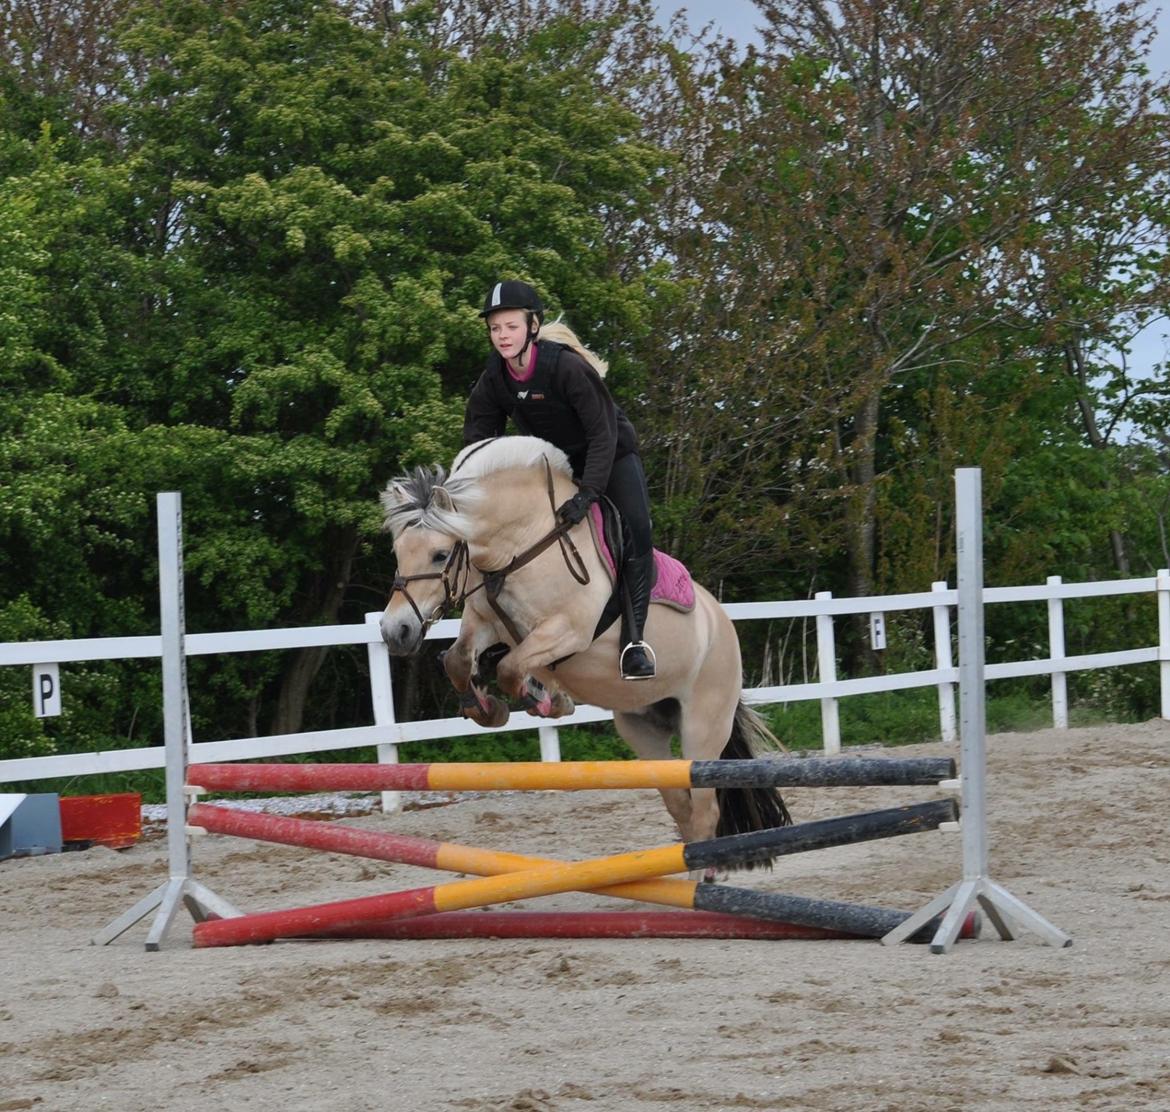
x: 637, y: 658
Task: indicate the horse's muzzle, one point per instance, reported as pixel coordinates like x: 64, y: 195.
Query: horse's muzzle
x: 403, y: 637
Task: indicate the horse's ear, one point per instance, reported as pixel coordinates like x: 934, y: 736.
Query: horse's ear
x: 441, y: 499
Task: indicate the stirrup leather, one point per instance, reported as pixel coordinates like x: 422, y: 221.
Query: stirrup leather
x: 649, y: 652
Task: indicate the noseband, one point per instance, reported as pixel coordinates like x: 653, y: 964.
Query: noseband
x: 454, y: 580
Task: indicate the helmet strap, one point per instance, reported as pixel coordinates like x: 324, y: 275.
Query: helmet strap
x: 528, y: 339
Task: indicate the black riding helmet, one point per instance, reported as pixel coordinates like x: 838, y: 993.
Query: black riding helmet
x: 512, y: 294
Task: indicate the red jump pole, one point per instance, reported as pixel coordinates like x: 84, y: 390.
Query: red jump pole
x: 596, y: 924
x: 406, y: 849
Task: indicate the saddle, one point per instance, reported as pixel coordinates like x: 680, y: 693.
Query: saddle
x: 671, y: 585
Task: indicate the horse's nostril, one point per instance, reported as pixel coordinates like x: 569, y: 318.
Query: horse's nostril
x: 403, y: 631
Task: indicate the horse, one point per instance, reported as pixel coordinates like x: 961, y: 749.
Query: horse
x: 409, y: 503
x: 488, y: 536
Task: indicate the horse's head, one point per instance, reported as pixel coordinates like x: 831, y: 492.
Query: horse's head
x: 432, y: 560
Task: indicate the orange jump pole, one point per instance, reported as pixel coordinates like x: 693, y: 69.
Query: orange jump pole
x: 406, y: 849
x: 765, y: 914
x: 791, y: 772
x: 599, y: 872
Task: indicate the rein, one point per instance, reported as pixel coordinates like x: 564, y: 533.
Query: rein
x: 493, y: 581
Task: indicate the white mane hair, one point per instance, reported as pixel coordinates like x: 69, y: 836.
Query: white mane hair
x: 502, y: 453
x: 418, y: 500
x: 486, y: 457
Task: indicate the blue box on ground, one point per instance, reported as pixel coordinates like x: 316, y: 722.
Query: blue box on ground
x: 29, y: 824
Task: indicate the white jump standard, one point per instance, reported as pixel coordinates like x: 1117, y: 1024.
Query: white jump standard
x: 1002, y: 908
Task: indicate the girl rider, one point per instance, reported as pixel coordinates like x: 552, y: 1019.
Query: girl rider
x: 555, y: 391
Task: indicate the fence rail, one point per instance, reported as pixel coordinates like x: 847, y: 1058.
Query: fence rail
x: 386, y: 733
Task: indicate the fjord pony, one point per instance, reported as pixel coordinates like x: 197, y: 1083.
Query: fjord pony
x: 434, y: 577
x: 497, y: 502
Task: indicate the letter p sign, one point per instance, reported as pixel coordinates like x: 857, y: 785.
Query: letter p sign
x: 46, y: 690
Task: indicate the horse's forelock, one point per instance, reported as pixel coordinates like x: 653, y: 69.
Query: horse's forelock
x: 408, y: 499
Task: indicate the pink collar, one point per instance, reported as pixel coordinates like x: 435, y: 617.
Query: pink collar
x: 528, y: 371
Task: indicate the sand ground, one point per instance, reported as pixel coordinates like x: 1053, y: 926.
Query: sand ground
x: 1078, y: 831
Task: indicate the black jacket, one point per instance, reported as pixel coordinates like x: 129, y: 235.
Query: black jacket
x: 564, y: 402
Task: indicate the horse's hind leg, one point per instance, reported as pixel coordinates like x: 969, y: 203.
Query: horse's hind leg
x: 649, y: 736
x: 704, y: 727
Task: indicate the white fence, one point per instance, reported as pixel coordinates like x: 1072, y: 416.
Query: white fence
x: 387, y: 734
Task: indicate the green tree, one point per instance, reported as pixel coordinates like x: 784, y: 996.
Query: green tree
x: 877, y: 189
x: 271, y: 301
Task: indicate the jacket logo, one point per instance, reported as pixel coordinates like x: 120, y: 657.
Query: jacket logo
x: 538, y: 397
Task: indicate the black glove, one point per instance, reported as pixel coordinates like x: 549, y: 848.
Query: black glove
x: 575, y: 509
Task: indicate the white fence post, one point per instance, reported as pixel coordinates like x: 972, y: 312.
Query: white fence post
x: 944, y: 659
x: 382, y: 698
x: 1056, y: 650
x: 827, y: 673
x: 1163, y: 589
x: 550, y: 743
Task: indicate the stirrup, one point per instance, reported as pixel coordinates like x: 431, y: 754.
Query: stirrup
x: 649, y: 653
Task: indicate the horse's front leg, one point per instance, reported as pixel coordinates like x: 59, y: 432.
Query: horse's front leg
x: 459, y: 664
x: 549, y: 641
x: 538, y: 700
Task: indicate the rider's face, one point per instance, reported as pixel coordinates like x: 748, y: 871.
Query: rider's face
x: 508, y: 329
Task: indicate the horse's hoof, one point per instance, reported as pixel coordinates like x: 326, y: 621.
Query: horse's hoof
x: 496, y: 712
x: 536, y: 700
x: 562, y: 705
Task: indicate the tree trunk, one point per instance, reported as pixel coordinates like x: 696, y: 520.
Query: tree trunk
x: 861, y: 528
x: 1075, y: 362
x: 306, y: 663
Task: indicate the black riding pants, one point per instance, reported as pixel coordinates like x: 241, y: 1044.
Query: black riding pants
x: 627, y: 490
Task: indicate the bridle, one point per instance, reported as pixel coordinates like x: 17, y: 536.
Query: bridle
x: 454, y: 580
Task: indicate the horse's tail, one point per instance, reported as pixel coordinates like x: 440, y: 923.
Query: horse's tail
x: 743, y: 810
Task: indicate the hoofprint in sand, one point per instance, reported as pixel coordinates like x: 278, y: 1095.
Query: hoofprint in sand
x: 1077, y: 830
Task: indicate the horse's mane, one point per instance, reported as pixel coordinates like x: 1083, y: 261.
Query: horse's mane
x: 487, y: 457
x: 431, y: 499
x: 409, y: 500
x: 503, y: 453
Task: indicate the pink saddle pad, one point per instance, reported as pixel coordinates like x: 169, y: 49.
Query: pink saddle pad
x: 673, y: 585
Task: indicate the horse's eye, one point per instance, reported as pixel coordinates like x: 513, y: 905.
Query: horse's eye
x: 440, y: 558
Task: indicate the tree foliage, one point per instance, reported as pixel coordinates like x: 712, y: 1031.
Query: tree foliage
x: 242, y: 247
x: 920, y: 232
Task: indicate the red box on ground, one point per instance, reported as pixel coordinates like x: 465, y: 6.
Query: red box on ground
x: 106, y: 820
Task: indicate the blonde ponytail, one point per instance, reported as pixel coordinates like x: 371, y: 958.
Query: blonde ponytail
x: 561, y: 333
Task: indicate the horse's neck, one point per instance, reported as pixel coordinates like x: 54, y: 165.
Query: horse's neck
x: 516, y: 514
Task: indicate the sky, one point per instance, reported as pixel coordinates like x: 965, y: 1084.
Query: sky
x: 737, y: 19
